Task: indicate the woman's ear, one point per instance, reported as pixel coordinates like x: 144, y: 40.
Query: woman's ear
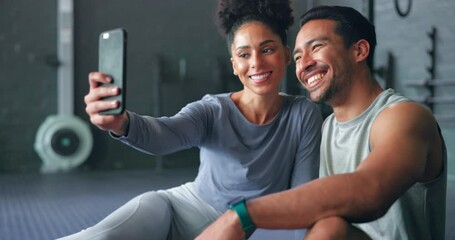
x: 233, y: 66
x: 361, y: 50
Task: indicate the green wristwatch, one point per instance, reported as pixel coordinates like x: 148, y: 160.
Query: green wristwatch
x: 239, y: 206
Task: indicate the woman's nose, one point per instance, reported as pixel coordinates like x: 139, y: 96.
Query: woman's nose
x: 256, y: 60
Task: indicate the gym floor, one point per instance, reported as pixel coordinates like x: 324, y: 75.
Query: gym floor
x: 36, y: 206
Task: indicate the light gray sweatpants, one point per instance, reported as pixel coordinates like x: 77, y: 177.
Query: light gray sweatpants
x: 176, y: 213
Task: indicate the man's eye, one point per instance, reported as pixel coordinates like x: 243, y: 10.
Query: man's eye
x: 316, y: 46
x: 297, y: 58
x: 243, y: 55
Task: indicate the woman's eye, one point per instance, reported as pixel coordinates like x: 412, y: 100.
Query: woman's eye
x: 267, y: 50
x: 243, y: 55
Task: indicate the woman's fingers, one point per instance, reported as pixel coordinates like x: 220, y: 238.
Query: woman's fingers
x: 96, y: 107
x: 97, y: 101
x: 97, y: 78
x: 99, y: 93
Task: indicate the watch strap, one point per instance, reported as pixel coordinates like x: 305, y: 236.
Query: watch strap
x: 245, y: 220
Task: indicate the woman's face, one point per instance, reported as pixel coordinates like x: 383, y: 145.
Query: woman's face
x: 259, y: 58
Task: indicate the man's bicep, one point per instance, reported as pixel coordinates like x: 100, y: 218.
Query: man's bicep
x: 399, y: 149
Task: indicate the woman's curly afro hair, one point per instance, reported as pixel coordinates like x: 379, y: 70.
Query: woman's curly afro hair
x: 277, y: 14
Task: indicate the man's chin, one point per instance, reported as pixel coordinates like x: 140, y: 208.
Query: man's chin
x: 317, y: 98
x: 322, y: 96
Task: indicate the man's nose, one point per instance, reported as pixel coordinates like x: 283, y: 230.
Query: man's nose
x: 306, y: 62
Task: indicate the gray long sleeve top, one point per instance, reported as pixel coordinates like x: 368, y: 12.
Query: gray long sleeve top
x: 237, y: 157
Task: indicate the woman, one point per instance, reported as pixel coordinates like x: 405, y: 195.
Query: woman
x: 252, y: 142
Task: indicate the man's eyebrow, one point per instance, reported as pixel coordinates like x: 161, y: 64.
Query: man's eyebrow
x: 260, y: 44
x: 308, y: 43
x: 296, y: 50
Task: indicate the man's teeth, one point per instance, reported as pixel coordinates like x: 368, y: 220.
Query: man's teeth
x: 258, y: 77
x: 314, y: 78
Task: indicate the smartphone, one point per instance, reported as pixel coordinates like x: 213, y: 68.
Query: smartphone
x: 112, y: 61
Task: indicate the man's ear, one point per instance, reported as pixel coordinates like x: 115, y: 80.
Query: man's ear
x: 361, y: 50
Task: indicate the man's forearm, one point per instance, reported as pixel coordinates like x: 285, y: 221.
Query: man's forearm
x: 348, y: 195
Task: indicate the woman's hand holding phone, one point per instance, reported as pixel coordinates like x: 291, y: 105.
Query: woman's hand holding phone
x: 95, y: 105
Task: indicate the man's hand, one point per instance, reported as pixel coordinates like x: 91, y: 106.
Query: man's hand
x: 226, y: 227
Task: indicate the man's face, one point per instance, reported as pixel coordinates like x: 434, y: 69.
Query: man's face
x: 323, y: 63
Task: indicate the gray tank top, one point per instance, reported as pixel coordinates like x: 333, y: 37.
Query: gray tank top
x: 420, y: 212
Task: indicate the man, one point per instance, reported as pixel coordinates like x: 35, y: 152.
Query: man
x: 383, y: 159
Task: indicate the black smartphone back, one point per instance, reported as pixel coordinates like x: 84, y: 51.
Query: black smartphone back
x: 112, y: 61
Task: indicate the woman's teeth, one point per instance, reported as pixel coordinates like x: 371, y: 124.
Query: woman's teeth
x: 260, y: 77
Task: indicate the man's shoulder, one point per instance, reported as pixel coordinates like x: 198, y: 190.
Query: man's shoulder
x: 406, y: 109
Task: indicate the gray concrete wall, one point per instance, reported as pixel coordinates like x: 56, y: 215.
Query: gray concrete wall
x: 407, y: 40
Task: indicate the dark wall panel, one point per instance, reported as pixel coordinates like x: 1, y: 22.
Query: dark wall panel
x: 27, y: 77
